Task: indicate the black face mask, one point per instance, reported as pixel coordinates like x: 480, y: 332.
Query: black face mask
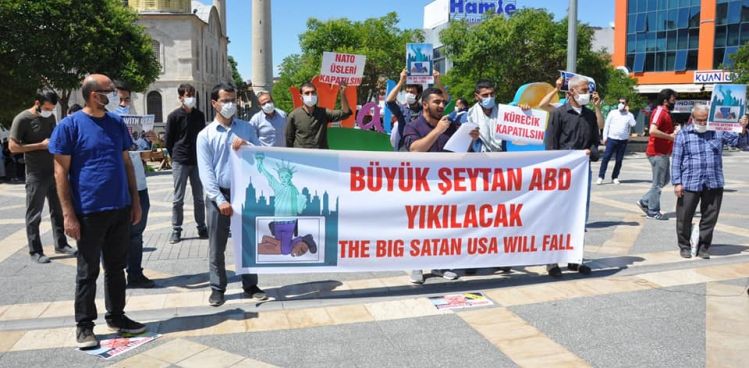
x: 671, y: 106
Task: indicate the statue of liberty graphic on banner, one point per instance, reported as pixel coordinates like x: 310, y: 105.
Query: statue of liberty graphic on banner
x: 289, y: 204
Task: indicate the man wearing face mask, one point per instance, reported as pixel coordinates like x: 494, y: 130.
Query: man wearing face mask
x: 573, y: 126
x: 409, y: 111
x: 615, y: 138
x: 269, y: 123
x: 99, y: 198
x: 214, y: 151
x: 697, y: 176
x: 29, y: 134
x: 182, y: 128
x: 660, y: 144
x: 307, y: 126
x: 135, y: 276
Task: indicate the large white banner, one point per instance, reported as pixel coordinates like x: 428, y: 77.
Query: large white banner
x: 299, y: 210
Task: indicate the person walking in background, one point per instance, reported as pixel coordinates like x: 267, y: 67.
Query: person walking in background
x: 660, y: 145
x: 29, y: 135
x: 182, y: 128
x: 619, y: 122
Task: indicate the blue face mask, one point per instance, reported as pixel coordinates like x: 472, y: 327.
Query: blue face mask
x: 122, y: 110
x: 488, y: 102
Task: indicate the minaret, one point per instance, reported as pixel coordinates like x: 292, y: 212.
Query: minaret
x: 221, y: 8
x: 262, y: 52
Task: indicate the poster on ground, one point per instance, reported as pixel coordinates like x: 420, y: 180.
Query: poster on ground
x: 299, y: 210
x: 569, y: 75
x: 340, y: 68
x: 521, y: 126
x: 419, y: 63
x: 111, y: 348
x: 460, y: 301
x: 727, y: 106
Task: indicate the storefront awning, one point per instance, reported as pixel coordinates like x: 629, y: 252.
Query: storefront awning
x: 679, y: 88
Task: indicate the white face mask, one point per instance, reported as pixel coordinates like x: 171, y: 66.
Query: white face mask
x: 410, y: 98
x: 699, y: 128
x: 114, y: 101
x: 228, y: 110
x: 583, y: 99
x: 309, y: 100
x: 189, y: 102
x: 45, y: 113
x: 268, y: 107
x: 621, y: 106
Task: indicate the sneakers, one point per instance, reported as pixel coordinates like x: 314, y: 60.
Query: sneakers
x: 656, y: 216
x: 66, y: 250
x: 417, y: 277
x: 616, y: 181
x: 85, y: 338
x: 139, y: 282
x: 39, y: 258
x: 642, y: 206
x: 599, y: 181
x: 703, y: 253
x: 555, y: 271
x: 446, y: 274
x: 216, y: 299
x: 255, y: 293
x: 126, y: 325
x: 176, y: 237
x: 202, y: 233
x: 685, y: 253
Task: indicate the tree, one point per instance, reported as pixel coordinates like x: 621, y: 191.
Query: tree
x: 621, y: 85
x: 235, y: 76
x: 379, y: 39
x: 54, y: 44
x: 527, y: 47
x: 741, y: 64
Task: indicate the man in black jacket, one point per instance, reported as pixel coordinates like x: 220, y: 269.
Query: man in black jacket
x: 572, y: 126
x: 182, y: 128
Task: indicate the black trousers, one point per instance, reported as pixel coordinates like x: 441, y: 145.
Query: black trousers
x: 218, y: 235
x: 37, y: 189
x: 709, y: 201
x: 105, y: 237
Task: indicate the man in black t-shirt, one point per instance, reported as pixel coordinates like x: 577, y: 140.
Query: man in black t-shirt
x: 29, y: 135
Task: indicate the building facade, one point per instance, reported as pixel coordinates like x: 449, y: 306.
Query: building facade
x: 679, y: 44
x: 190, y: 42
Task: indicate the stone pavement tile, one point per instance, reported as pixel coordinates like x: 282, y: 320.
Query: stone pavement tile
x: 268, y: 321
x: 252, y: 363
x: 185, y: 299
x: 146, y: 302
x: 727, y: 325
x: 611, y: 330
x: 46, y: 339
x: 23, y: 311
x: 175, y: 350
x: 140, y: 361
x: 211, y: 358
x: 63, y: 308
x: 8, y: 339
x: 349, y: 314
x: 303, y: 318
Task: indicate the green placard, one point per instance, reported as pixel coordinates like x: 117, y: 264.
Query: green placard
x: 358, y: 140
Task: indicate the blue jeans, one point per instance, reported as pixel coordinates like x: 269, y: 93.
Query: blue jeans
x: 661, y: 176
x: 135, y: 251
x: 616, y: 148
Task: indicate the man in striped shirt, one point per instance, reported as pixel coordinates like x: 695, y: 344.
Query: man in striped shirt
x: 697, y: 176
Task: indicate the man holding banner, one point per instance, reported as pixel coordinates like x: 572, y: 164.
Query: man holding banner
x: 410, y: 110
x: 572, y: 126
x: 307, y: 126
x: 213, y: 149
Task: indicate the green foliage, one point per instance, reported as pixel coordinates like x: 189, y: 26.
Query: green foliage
x: 527, y: 47
x: 235, y: 76
x: 379, y: 39
x: 621, y: 85
x: 741, y: 64
x: 55, y: 43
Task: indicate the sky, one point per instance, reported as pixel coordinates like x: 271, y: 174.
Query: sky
x: 289, y: 18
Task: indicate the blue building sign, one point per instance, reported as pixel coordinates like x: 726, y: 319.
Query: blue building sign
x: 473, y: 10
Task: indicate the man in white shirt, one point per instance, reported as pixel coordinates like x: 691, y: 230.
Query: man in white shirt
x: 615, y: 137
x: 269, y: 124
